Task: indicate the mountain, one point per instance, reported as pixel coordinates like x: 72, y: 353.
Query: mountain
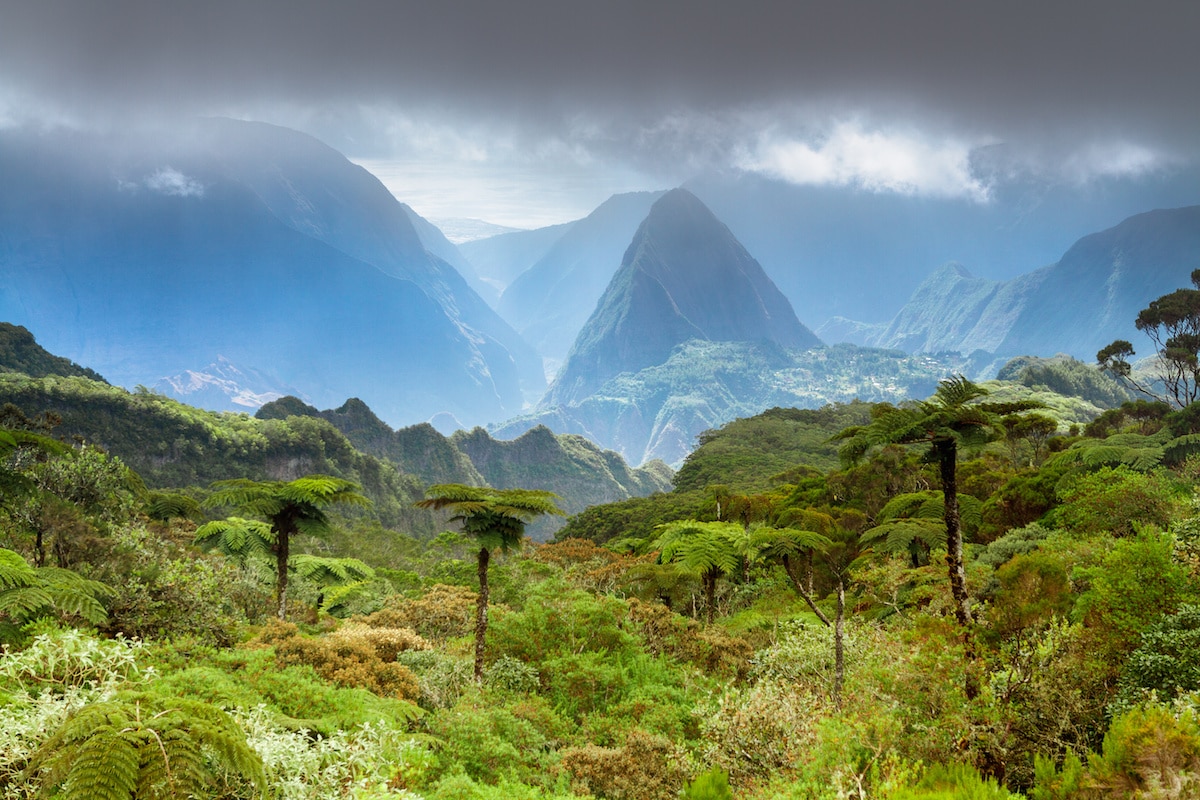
x: 499, y: 259
x: 684, y: 276
x: 223, y: 386
x: 145, y: 258
x: 1079, y: 304
x: 438, y: 244
x: 851, y: 252
x: 572, y: 467
x: 549, y: 302
x: 416, y: 449
x: 661, y: 411
x: 580, y: 472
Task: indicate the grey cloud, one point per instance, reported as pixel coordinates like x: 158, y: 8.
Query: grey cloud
x: 1045, y: 72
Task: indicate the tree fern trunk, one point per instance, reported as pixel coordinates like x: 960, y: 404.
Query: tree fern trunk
x: 839, y: 644
x: 800, y: 589
x: 282, y: 544
x: 710, y: 593
x: 947, y: 457
x: 947, y: 463
x: 481, y: 611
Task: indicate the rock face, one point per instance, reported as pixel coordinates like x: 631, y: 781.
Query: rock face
x: 1077, y: 305
x: 683, y: 277
x: 252, y: 242
x: 550, y: 302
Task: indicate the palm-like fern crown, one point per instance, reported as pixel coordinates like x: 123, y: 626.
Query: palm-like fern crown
x: 236, y: 537
x: 701, y: 547
x: 298, y: 504
x: 497, y: 517
x: 952, y: 414
x: 27, y: 592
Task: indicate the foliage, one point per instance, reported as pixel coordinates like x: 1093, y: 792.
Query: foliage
x: 1137, y: 581
x: 1117, y: 500
x: 146, y: 745
x: 440, y: 613
x: 711, y: 785
x: 170, y: 444
x: 27, y: 593
x: 645, y: 767
x: 1167, y: 661
x: 59, y: 659
x: 291, y: 508
x: 353, y: 656
x: 635, y: 518
x: 746, y: 454
x: 1066, y: 376
x: 372, y: 761
x: 19, y: 352
x: 1172, y: 322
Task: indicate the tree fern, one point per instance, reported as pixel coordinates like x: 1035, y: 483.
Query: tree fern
x: 146, y: 746
x: 296, y: 506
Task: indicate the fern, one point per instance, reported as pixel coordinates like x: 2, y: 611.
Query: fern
x: 145, y: 746
x: 27, y: 592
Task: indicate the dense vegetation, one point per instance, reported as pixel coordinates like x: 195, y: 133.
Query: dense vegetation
x: 782, y: 625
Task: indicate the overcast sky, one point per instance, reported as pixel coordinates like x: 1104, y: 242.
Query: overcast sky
x: 533, y: 111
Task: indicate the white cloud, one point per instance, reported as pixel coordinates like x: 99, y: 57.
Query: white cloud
x: 171, y: 181
x: 1111, y: 159
x: 904, y: 162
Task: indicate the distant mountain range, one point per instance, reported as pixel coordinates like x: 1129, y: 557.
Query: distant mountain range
x: 1079, y: 304
x: 144, y: 259
x: 579, y: 472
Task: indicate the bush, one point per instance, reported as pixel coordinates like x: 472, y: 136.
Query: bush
x: 441, y: 613
x: 760, y: 731
x: 1114, y: 500
x: 490, y: 743
x: 60, y: 658
x: 646, y: 767
x: 357, y: 656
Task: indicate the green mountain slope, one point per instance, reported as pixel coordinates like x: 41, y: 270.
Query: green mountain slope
x: 20, y: 352
x: 659, y: 411
x: 174, y: 445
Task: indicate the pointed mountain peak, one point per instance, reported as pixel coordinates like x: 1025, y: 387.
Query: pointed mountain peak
x: 684, y: 276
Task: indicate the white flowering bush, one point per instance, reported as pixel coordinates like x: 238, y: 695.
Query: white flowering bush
x: 61, y: 658
x: 369, y: 762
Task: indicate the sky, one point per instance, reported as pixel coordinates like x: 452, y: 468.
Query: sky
x: 529, y: 112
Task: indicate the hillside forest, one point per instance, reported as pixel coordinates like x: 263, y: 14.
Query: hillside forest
x: 992, y: 592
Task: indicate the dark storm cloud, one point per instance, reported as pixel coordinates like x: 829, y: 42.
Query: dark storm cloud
x: 617, y: 94
x: 998, y: 66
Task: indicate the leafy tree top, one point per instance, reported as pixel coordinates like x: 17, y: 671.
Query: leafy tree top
x: 297, y: 505
x: 496, y: 517
x: 955, y: 413
x: 1172, y: 322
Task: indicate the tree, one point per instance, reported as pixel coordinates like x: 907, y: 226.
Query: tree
x: 711, y: 550
x: 289, y: 508
x: 497, y: 519
x: 953, y: 416
x: 838, y: 548
x: 1172, y: 322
